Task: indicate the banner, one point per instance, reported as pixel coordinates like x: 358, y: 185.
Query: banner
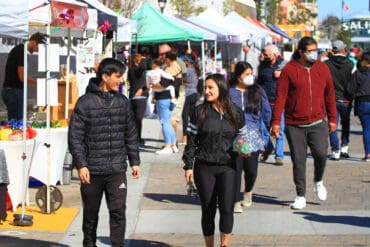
x: 68, y: 15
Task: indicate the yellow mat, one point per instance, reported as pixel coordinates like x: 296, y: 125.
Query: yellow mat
x: 57, y: 221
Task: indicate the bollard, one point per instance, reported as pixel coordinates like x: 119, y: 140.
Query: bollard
x: 67, y: 169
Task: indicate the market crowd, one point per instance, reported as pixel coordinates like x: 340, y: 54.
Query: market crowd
x: 229, y: 123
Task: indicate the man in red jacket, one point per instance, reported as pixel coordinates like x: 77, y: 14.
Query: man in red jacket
x: 305, y: 91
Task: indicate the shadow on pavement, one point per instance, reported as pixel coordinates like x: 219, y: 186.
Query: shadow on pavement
x: 145, y: 243
x: 12, y: 241
x: 134, y: 242
x: 172, y: 198
x: 263, y: 199
x: 341, y: 219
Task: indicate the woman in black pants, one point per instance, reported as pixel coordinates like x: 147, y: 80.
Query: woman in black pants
x: 252, y: 99
x: 138, y: 92
x: 211, y: 132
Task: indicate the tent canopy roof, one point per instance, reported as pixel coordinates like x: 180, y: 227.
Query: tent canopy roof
x: 153, y: 27
x: 14, y: 19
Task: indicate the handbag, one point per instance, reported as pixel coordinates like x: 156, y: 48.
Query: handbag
x: 248, y: 140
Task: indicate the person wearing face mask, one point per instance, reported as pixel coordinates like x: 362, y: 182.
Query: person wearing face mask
x: 269, y: 72
x: 252, y: 99
x: 305, y: 91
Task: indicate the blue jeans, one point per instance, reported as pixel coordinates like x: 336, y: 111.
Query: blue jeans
x: 363, y: 112
x: 13, y: 99
x: 165, y: 114
x: 279, y: 149
x: 344, y: 112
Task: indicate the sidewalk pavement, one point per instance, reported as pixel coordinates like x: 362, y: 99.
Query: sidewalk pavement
x: 159, y: 213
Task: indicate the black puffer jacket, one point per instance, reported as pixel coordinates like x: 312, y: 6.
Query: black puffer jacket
x: 212, y: 143
x: 102, y: 132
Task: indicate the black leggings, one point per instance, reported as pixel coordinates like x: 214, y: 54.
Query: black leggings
x: 189, y: 106
x: 250, y: 167
x: 216, y: 186
x: 139, y: 108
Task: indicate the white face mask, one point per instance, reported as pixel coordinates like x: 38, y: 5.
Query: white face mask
x: 312, y: 56
x: 248, y: 80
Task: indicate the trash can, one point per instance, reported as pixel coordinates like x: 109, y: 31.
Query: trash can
x: 67, y: 169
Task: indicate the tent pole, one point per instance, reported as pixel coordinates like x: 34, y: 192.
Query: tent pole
x: 24, y: 156
x: 47, y: 54
x: 203, y: 63
x: 215, y: 56
x: 68, y: 65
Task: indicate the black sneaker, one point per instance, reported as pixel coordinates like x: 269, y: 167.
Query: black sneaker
x: 265, y: 155
x: 344, y: 155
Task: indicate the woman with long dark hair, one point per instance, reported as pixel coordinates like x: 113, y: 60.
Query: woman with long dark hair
x: 252, y: 99
x: 211, y: 132
x: 138, y: 91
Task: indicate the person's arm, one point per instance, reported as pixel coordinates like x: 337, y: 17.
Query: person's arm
x: 30, y: 80
x: 265, y: 109
x: 131, y: 140
x: 76, y: 142
x: 190, y: 148
x: 330, y: 102
x: 281, y: 96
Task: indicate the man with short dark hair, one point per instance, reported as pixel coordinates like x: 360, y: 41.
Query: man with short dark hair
x: 305, y: 92
x: 341, y: 69
x: 12, y: 93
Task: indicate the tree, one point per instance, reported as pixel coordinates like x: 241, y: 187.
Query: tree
x: 232, y: 5
x: 300, y: 15
x: 186, y: 8
x: 123, y: 7
x: 345, y: 36
x: 274, y: 15
x: 330, y: 27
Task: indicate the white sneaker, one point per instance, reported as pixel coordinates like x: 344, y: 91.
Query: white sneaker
x: 238, y: 208
x: 165, y: 150
x: 335, y: 155
x: 321, y: 190
x: 175, y: 149
x: 299, y: 203
x: 247, y: 202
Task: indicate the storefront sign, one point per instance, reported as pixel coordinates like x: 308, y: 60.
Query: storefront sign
x: 356, y: 25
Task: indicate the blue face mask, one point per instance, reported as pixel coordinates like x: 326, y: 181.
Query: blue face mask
x: 312, y: 56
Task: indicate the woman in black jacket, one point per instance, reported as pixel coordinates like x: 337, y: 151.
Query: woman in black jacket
x: 211, y: 132
x: 138, y: 91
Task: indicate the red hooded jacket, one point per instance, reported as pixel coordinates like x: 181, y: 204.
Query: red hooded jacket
x: 306, y: 94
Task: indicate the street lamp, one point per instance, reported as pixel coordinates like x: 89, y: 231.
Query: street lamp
x: 162, y: 4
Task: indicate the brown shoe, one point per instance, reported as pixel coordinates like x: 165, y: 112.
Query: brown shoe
x: 279, y: 162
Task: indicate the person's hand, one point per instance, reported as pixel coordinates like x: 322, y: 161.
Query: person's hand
x: 332, y: 127
x: 277, y: 73
x: 84, y: 175
x: 275, y: 131
x: 189, y: 175
x: 135, y: 171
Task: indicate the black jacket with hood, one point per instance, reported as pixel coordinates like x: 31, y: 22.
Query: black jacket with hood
x: 102, y: 132
x: 341, y: 70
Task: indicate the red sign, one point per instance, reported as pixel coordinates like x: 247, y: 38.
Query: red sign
x: 68, y: 15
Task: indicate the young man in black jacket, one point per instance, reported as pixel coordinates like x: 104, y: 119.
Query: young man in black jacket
x: 341, y: 69
x: 102, y: 136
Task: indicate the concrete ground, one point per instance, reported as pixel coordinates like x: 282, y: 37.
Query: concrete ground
x: 160, y: 213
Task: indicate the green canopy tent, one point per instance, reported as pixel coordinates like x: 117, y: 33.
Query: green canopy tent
x: 153, y: 27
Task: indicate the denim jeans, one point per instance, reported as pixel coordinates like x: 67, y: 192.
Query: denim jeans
x: 363, y: 111
x: 344, y: 112
x: 165, y: 114
x: 13, y: 99
x: 279, y: 148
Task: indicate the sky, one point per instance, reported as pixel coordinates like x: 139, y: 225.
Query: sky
x: 334, y: 7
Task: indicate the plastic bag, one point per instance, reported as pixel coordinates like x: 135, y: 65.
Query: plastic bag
x: 247, y: 141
